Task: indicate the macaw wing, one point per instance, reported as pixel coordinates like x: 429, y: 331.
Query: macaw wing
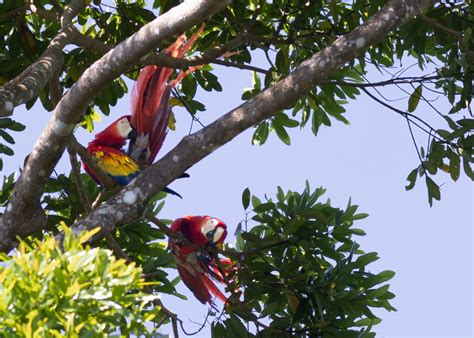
x: 116, y: 164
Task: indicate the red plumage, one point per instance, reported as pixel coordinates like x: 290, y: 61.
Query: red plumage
x: 150, y: 103
x: 106, y: 148
x: 195, y: 266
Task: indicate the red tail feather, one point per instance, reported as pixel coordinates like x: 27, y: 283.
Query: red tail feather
x: 196, y: 284
x: 210, y: 286
x: 150, y: 103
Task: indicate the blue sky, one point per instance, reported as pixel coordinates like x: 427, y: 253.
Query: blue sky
x: 430, y: 249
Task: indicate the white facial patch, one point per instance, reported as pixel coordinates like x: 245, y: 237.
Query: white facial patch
x: 218, y: 234
x: 210, y: 225
x: 124, y: 127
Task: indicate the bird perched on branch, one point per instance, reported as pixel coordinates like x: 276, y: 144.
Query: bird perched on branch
x: 146, y: 127
x: 197, y: 268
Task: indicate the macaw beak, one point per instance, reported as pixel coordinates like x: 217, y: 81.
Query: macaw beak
x: 132, y: 135
x: 210, y: 235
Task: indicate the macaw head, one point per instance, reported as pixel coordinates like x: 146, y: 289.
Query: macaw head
x: 117, y: 133
x: 214, y: 230
x: 201, y: 230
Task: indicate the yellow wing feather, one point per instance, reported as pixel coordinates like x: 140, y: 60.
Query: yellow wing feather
x: 116, y: 164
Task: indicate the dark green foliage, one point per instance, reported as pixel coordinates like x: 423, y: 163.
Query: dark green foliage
x: 302, y: 271
x: 7, y: 125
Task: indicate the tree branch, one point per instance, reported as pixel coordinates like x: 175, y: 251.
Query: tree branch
x: 133, y: 199
x: 23, y: 214
x: 453, y: 33
x: 76, y: 172
x: 29, y: 83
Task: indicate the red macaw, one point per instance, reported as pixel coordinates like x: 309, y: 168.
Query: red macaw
x: 149, y: 122
x: 195, y: 266
x: 106, y: 148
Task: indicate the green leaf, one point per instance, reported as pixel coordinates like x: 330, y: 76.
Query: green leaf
x: 466, y: 123
x: 256, y: 81
x: 362, y: 215
x: 6, y: 150
x: 7, y: 137
x: 260, y: 135
x: 415, y: 98
x: 468, y: 142
x: 264, y: 207
x: 412, y: 179
x: 378, y: 292
x: 246, y: 198
x: 385, y: 276
x: 235, y: 328
x: 218, y: 330
x: 281, y: 132
x: 433, y: 190
x: 293, y: 225
x: 366, y: 259
x: 250, y: 237
x: 282, y: 61
x: 454, y: 166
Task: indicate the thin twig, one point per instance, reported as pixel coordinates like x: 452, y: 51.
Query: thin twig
x: 240, y: 66
x: 75, y: 168
x: 116, y: 248
x: 406, y: 115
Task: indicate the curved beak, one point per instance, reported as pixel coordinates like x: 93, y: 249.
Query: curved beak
x: 132, y: 135
x: 210, y: 235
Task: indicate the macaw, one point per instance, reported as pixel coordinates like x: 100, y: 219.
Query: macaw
x: 195, y: 265
x: 150, y: 103
x: 146, y: 127
x: 106, y: 149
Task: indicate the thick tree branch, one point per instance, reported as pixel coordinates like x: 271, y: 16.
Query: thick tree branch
x: 29, y: 83
x: 133, y: 199
x: 23, y: 214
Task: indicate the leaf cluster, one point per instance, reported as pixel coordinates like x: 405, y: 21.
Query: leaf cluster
x: 7, y: 125
x: 50, y: 289
x: 302, y: 271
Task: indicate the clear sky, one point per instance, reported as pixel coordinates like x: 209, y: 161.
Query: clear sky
x: 430, y: 249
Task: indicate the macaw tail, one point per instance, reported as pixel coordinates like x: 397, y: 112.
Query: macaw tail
x: 200, y: 285
x: 150, y: 103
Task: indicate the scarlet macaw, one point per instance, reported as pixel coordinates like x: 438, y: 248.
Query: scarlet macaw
x: 195, y: 266
x: 146, y: 127
x: 106, y: 148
